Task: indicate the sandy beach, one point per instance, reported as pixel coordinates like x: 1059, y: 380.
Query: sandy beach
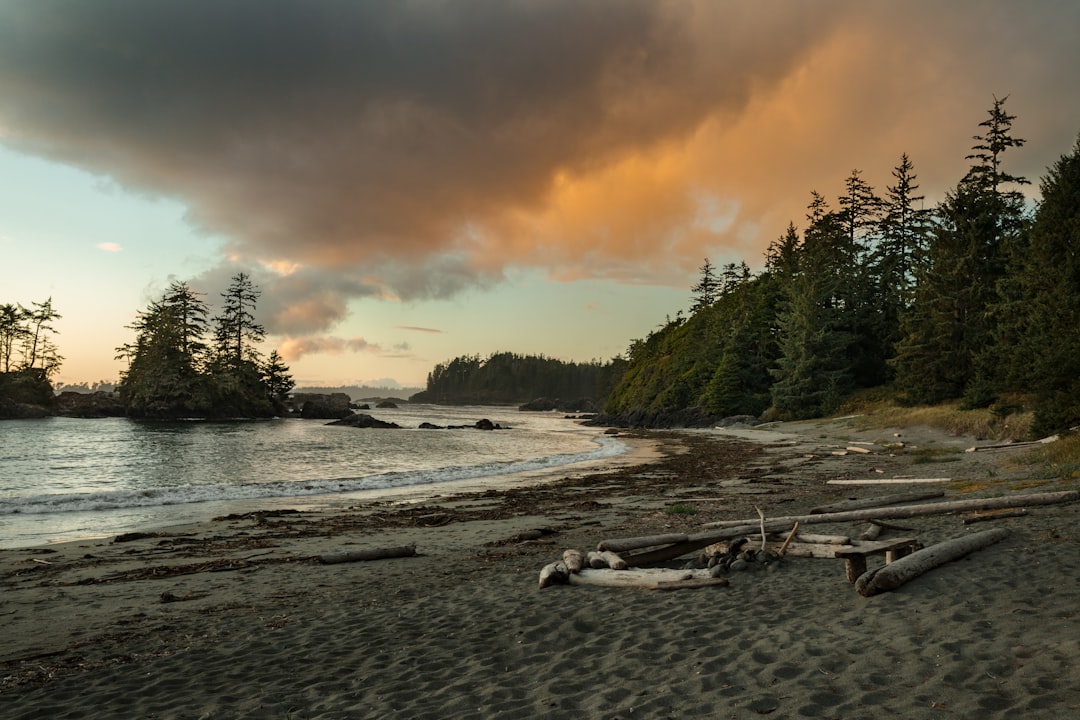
x: 236, y: 618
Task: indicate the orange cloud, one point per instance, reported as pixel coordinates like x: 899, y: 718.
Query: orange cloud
x: 293, y: 349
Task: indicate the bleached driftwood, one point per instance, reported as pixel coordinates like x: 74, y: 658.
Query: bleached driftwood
x: 897, y: 499
x: 367, y: 554
x: 636, y: 543
x: 905, y: 511
x: 573, y: 560
x: 1010, y: 446
x: 888, y: 481
x: 804, y: 538
x: 553, y: 574
x: 788, y: 540
x: 652, y: 578
x: 907, y: 568
x: 594, y: 560
x: 823, y: 539
x: 613, y: 560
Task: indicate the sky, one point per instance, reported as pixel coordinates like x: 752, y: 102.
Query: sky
x: 409, y: 181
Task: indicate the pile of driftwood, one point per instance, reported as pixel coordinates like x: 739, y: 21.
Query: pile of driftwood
x: 633, y: 561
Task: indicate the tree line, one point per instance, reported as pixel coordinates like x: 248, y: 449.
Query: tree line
x: 509, y: 378
x: 977, y: 299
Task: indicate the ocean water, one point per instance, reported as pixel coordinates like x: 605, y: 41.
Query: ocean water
x: 67, y: 478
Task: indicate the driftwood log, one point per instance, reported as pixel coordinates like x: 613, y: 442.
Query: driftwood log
x: 906, y: 511
x: 367, y: 554
x: 553, y: 574
x: 917, y: 563
x: 573, y: 560
x: 613, y: 560
x: 1011, y: 445
x: 636, y: 543
x: 888, y: 481
x: 897, y: 499
x: 652, y: 578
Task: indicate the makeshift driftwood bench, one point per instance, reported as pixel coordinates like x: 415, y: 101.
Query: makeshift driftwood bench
x: 855, y: 555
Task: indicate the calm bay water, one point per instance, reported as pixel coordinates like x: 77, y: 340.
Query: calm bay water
x: 66, y: 478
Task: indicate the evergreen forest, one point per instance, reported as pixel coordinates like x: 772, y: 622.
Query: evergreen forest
x: 976, y: 300
x: 508, y: 378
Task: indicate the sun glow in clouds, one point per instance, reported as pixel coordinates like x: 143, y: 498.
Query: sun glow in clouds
x: 109, y: 247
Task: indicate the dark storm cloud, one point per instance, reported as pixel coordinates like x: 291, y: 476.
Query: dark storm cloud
x: 339, y: 133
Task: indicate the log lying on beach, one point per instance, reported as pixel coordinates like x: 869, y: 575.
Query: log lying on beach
x: 553, y: 574
x: 605, y: 559
x: 368, y: 554
x: 897, y: 499
x: 888, y: 481
x: 573, y: 560
x: 613, y: 560
x: 636, y: 543
x: 1011, y: 445
x: 652, y: 578
x: 906, y: 511
x: 912, y: 566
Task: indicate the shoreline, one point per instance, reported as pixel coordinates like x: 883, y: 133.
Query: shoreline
x: 232, y: 618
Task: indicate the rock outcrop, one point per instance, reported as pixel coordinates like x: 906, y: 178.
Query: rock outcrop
x: 363, y: 420
x: 581, y: 405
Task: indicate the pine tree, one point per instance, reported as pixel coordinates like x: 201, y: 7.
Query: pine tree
x: 236, y: 334
x: 12, y: 331
x: 39, y: 352
x: 815, y: 367
x: 706, y: 289
x: 276, y: 378
x: 900, y: 253
x: 946, y: 351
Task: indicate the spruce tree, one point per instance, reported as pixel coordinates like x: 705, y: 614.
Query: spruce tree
x: 814, y: 369
x: 707, y: 288
x: 900, y: 252
x: 236, y: 334
x: 946, y: 350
